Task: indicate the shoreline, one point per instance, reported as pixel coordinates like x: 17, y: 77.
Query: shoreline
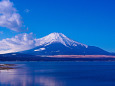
x: 6, y: 66
x: 81, y: 56
x: 60, y: 58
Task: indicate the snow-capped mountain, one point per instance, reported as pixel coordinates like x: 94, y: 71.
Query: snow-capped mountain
x: 58, y: 38
x: 59, y: 44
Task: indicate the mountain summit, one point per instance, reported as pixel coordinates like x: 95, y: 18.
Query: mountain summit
x: 58, y: 38
x: 59, y: 44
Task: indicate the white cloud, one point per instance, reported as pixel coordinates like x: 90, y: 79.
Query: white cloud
x: 18, y: 43
x: 9, y: 17
x: 27, y: 10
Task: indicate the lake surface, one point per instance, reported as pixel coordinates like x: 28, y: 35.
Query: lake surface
x: 59, y: 74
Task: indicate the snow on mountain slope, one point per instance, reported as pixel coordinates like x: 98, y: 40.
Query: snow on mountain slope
x: 22, y: 42
x: 57, y: 38
x: 59, y: 44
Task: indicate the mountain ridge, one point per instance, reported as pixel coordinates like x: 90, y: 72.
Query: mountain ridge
x: 59, y: 44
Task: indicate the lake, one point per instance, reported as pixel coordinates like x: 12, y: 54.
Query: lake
x: 59, y: 74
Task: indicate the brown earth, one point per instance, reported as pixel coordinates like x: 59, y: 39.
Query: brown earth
x: 6, y: 66
x: 82, y: 56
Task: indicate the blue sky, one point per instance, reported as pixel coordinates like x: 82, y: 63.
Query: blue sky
x: 91, y: 22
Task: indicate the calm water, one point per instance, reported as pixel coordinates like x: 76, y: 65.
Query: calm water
x: 59, y: 74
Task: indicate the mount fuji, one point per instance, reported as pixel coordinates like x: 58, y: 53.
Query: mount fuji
x: 59, y: 44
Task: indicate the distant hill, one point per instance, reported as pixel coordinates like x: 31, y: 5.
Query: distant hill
x: 48, y: 47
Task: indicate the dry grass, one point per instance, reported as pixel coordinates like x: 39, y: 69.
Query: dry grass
x: 82, y: 56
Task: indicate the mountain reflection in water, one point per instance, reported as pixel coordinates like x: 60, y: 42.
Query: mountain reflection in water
x: 59, y: 74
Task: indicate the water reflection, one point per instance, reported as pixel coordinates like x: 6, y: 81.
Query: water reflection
x: 27, y: 77
x: 59, y: 74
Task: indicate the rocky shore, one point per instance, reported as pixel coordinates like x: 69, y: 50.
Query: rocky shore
x: 6, y: 66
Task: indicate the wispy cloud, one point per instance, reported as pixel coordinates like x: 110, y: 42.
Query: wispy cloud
x: 1, y: 32
x: 18, y: 43
x: 9, y: 17
x: 27, y: 10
